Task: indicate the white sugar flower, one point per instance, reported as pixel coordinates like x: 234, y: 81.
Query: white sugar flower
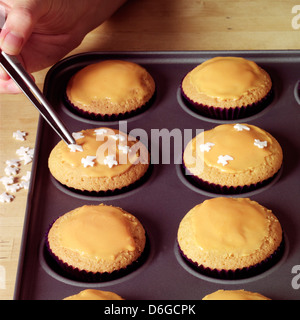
x: 24, y: 184
x: 13, y: 188
x: 27, y: 158
x: 260, y: 144
x: 77, y: 135
x: 241, y: 127
x: 19, y: 135
x: 27, y: 176
x: 224, y: 159
x: 4, y: 197
x: 7, y: 180
x: 13, y: 162
x: 11, y: 171
x: 124, y: 149
x: 22, y: 150
x: 100, y: 131
x: 75, y: 147
x: 118, y: 137
x: 110, y: 161
x: 206, y: 146
x: 88, y: 161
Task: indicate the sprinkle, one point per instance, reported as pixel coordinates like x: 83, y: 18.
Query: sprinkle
x: 13, y: 188
x: 110, y: 161
x: 27, y: 176
x: 24, y: 184
x: 22, y: 150
x: 100, y: 131
x: 26, y: 154
x: 241, y: 127
x: 224, y: 159
x: 11, y: 171
x: 118, y: 137
x: 260, y: 144
x: 30, y: 152
x: 27, y: 158
x: 88, y: 161
x: 4, y: 197
x: 124, y: 149
x: 13, y: 162
x: 77, y: 135
x: 206, y: 146
x: 19, y: 135
x: 7, y: 180
x: 75, y: 147
x: 13, y: 167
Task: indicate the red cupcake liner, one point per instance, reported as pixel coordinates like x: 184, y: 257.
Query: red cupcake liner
x: 237, y: 274
x: 228, y: 113
x: 225, y: 190
x: 105, y: 117
x: 73, y: 273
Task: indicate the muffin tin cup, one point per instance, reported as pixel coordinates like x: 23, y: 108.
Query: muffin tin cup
x: 75, y: 274
x: 222, y: 277
x: 236, y: 113
x: 166, y: 196
x: 227, y: 190
x: 237, y: 274
x: 108, y: 193
x: 106, y: 117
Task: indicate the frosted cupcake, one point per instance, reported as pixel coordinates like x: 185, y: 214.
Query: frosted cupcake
x: 232, y: 159
x: 103, y: 160
x: 227, y: 88
x: 93, y: 294
x: 96, y: 243
x: 230, y: 238
x: 235, y: 295
x: 110, y: 89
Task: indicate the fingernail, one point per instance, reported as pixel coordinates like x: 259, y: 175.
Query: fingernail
x: 12, y: 43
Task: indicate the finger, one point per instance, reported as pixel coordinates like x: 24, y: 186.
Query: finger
x: 3, y: 74
x: 9, y: 86
x: 18, y: 27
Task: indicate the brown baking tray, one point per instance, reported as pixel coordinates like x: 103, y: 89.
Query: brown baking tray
x: 162, y: 201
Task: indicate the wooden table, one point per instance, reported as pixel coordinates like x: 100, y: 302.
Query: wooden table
x: 143, y: 25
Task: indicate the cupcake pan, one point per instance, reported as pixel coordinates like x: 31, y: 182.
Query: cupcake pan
x: 161, y: 202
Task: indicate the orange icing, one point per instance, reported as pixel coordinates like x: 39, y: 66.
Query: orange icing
x: 237, y: 144
x: 227, y: 77
x: 93, y: 294
x: 100, y: 146
x: 235, y: 295
x: 112, y: 80
x: 229, y: 226
x: 99, y: 232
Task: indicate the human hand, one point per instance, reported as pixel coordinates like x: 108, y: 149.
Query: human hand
x: 41, y: 32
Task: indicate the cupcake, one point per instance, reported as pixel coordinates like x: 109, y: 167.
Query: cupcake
x: 235, y: 295
x: 227, y: 88
x: 110, y: 89
x: 93, y: 294
x: 230, y: 238
x: 102, y: 161
x: 96, y: 243
x: 232, y: 159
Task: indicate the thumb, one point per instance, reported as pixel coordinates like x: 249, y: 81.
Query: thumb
x: 18, y: 27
